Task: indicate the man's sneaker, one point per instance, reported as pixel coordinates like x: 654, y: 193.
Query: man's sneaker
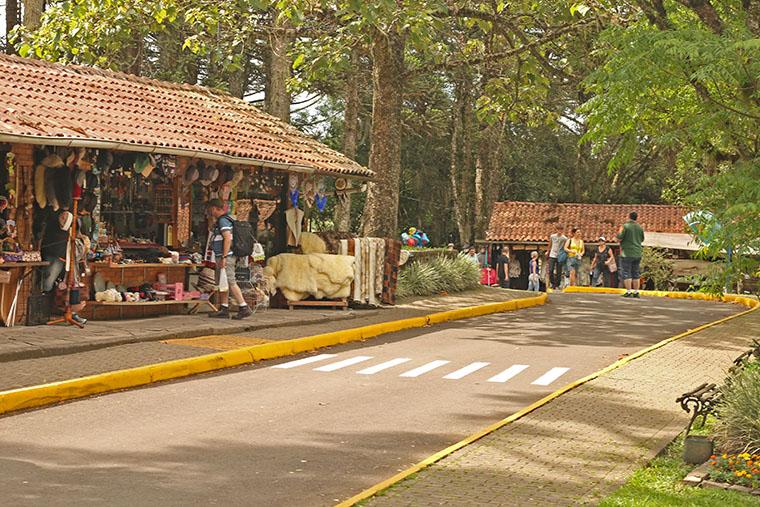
x: 223, y: 313
x: 79, y: 320
x: 628, y: 295
x: 636, y: 295
x: 243, y: 312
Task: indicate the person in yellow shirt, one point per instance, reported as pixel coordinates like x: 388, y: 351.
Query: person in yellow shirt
x: 575, y: 249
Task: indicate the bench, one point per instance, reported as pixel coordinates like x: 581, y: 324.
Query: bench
x: 704, y: 399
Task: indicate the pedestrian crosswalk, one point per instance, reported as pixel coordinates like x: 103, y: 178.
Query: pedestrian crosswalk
x: 437, y: 367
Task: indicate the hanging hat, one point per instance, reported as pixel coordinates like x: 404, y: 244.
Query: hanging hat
x: 68, y: 219
x: 209, y: 174
x: 191, y: 175
x: 237, y: 177
x: 53, y: 161
x: 341, y: 184
x: 226, y: 174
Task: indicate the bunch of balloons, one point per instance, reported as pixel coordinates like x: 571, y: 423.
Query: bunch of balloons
x: 413, y: 237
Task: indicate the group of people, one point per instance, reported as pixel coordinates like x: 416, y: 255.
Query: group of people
x: 506, y: 268
x: 565, y: 255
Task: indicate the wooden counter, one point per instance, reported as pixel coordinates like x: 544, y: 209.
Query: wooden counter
x: 130, y: 275
x: 18, y: 271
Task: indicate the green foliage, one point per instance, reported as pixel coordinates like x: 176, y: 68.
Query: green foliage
x: 659, y: 484
x: 694, y: 94
x: 657, y: 267
x: 95, y: 32
x: 738, y: 427
x: 441, y: 274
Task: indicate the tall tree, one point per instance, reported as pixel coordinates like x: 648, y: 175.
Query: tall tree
x: 11, y: 20
x: 342, y: 216
x: 33, y: 10
x: 279, y: 63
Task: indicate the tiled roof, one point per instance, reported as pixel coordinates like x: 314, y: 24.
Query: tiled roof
x: 535, y: 221
x: 56, y: 104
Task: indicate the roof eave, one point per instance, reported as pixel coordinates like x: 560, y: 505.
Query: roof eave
x: 75, y: 142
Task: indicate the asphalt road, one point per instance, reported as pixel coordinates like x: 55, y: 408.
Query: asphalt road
x: 316, y: 429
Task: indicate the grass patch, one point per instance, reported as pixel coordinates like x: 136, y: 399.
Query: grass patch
x: 659, y: 484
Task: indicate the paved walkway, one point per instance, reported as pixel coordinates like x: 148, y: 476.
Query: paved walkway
x: 113, y: 345
x: 582, y: 446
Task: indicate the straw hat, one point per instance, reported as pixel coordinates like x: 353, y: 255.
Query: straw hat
x: 191, y: 175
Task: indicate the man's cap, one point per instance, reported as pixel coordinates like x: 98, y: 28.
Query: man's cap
x: 215, y: 203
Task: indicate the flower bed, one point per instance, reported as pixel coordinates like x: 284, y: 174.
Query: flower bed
x: 742, y: 469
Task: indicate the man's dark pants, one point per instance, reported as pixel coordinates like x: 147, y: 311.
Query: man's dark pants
x: 555, y: 272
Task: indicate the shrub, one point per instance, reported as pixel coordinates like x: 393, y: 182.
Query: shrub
x: 440, y: 274
x: 738, y: 427
x: 656, y: 267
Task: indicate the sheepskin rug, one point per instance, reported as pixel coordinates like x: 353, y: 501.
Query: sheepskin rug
x: 323, y: 276
x: 312, y: 244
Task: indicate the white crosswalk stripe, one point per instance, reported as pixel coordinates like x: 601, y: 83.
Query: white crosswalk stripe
x: 550, y: 376
x: 547, y: 378
x: 421, y: 370
x: 306, y: 360
x: 510, y: 372
x: 342, y: 364
x: 384, y: 366
x: 463, y: 372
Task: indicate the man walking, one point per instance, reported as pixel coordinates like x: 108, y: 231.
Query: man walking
x: 556, y: 242
x: 631, y: 237
x: 221, y: 245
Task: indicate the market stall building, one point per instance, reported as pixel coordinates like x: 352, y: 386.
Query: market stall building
x: 526, y: 226
x: 139, y: 158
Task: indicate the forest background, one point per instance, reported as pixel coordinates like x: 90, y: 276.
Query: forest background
x: 458, y: 103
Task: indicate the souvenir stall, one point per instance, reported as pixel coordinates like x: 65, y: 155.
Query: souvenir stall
x: 123, y: 259
x: 19, y: 259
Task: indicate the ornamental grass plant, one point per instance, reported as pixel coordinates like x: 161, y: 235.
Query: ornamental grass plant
x: 737, y: 429
x: 436, y: 275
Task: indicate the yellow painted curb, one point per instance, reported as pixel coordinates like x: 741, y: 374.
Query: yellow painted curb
x: 372, y: 491
x: 46, y: 394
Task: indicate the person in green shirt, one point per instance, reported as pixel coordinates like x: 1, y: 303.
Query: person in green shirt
x: 631, y: 237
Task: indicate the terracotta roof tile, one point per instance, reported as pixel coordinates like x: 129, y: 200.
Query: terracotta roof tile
x: 535, y: 221
x: 46, y: 100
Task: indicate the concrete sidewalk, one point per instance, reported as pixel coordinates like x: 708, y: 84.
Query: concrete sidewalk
x: 582, y: 446
x: 38, y: 355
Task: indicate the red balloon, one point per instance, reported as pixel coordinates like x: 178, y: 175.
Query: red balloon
x: 411, y: 242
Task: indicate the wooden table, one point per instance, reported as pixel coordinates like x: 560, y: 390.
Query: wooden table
x: 18, y: 272
x: 137, y: 304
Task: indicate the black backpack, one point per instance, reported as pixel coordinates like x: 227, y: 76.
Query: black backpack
x: 243, y: 238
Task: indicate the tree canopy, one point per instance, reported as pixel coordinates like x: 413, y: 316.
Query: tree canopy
x: 458, y: 103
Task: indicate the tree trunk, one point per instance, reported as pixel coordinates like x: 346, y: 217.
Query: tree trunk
x: 33, y: 10
x: 458, y: 168
x: 487, y: 175
x: 342, y: 216
x: 381, y: 208
x: 11, y: 20
x: 276, y: 96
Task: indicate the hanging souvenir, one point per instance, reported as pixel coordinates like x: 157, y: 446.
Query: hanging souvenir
x: 321, y: 197
x: 293, y: 192
x: 39, y: 185
x: 191, y: 175
x: 308, y: 193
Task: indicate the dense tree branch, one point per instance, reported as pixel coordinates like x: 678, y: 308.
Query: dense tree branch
x: 555, y: 34
x: 707, y: 13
